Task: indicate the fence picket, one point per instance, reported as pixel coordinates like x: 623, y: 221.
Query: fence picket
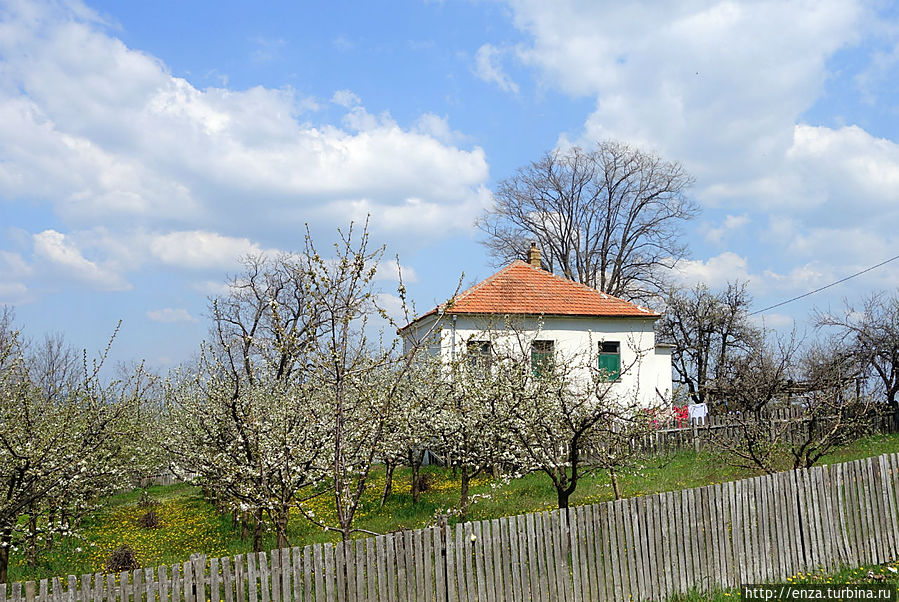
x: 651, y: 547
x: 275, y: 575
x: 396, y: 578
x: 463, y: 564
x: 227, y: 580
x: 527, y: 566
x: 199, y: 576
x: 609, y: 551
x: 361, y: 570
x: 559, y: 554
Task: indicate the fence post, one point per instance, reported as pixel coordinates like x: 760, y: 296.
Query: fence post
x: 695, y: 435
x: 444, y: 565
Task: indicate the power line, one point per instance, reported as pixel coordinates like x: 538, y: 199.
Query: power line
x: 818, y: 290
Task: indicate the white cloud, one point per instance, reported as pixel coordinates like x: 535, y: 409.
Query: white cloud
x: 391, y: 270
x: 392, y: 305
x: 201, y: 250
x: 439, y: 128
x: 728, y: 227
x: 847, y: 164
x: 169, y: 315
x: 346, y: 98
x: 211, y: 288
x: 13, y: 293
x: 714, y: 272
x: 717, y: 84
x: 488, y: 67
x: 774, y: 321
x: 66, y: 259
x: 13, y: 266
x: 106, y: 134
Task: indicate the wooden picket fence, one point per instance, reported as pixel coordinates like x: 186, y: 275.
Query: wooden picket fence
x: 673, y: 435
x: 757, y: 530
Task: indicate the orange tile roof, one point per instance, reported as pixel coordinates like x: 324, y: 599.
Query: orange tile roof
x: 520, y: 288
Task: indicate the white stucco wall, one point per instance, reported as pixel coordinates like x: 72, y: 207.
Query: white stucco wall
x: 646, y: 368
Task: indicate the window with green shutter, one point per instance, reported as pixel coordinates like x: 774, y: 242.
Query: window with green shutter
x: 541, y: 357
x: 610, y: 360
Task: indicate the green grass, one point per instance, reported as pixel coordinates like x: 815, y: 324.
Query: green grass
x: 189, y: 524
x: 845, y: 576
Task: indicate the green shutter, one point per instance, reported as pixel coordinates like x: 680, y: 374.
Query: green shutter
x: 541, y: 357
x: 610, y: 364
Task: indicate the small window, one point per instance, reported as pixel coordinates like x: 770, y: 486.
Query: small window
x: 480, y: 354
x: 610, y: 360
x: 541, y: 357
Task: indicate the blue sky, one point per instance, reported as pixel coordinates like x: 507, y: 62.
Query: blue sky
x: 145, y: 146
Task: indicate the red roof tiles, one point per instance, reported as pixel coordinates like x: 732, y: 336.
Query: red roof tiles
x: 522, y: 289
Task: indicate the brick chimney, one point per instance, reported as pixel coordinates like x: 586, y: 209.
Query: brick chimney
x: 534, y: 255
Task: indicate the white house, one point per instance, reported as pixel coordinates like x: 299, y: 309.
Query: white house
x: 556, y: 316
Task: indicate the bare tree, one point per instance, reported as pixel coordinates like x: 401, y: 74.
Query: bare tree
x: 608, y: 218
x: 708, y: 331
x: 791, y: 407
x: 871, y: 333
x: 267, y: 320
x: 837, y: 413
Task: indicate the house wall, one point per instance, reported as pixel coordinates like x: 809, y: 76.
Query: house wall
x: 646, y: 368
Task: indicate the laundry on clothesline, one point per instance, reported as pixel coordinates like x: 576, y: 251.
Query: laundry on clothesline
x: 698, y: 412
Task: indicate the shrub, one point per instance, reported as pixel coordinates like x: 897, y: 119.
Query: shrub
x: 121, y: 559
x: 149, y: 520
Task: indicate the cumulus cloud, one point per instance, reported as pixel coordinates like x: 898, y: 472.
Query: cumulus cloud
x: 718, y: 84
x: 201, y: 250
x: 66, y: 259
x: 106, y: 134
x: 721, y: 86
x: 169, y: 315
x: 391, y: 270
x: 728, y: 89
x: 847, y: 163
x: 714, y: 272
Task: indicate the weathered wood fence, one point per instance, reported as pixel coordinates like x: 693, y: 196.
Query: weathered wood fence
x: 673, y: 435
x: 750, y: 531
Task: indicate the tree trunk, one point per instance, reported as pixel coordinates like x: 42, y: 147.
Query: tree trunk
x: 463, y: 501
x: 5, y: 541
x: 245, y: 524
x: 415, y: 464
x: 257, y: 532
x: 563, y: 494
x: 31, y: 550
x: 615, y: 486
x: 281, y: 518
x: 388, y: 482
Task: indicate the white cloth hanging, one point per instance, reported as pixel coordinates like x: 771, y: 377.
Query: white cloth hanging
x: 698, y: 412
